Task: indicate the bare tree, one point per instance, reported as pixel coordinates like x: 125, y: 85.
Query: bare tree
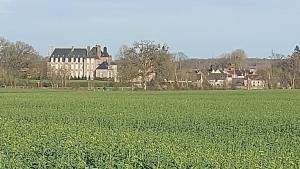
x: 294, y: 65
x: 18, y: 61
x: 282, y: 70
x: 145, y: 61
x: 58, y: 77
x: 179, y: 61
x: 238, y: 58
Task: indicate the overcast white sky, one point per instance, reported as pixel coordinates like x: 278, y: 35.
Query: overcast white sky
x: 199, y: 28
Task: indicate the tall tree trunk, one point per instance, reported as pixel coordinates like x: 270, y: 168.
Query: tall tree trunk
x: 145, y: 85
x: 176, y: 76
x: 293, y: 81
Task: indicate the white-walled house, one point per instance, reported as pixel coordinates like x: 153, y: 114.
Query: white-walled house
x: 217, y: 78
x: 255, y: 82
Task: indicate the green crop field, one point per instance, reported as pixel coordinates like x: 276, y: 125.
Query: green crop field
x: 185, y: 129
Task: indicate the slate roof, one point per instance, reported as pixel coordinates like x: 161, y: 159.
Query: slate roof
x: 103, y: 65
x: 237, y: 72
x: 78, y: 53
x: 92, y: 53
x: 61, y: 52
x: 254, y: 77
x: 69, y: 53
x: 217, y: 76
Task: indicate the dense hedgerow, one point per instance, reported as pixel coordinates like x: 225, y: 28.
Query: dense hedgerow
x: 205, y: 129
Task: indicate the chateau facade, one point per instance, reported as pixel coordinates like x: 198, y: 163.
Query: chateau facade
x: 83, y: 63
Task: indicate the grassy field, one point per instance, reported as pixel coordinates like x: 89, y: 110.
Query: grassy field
x: 191, y: 129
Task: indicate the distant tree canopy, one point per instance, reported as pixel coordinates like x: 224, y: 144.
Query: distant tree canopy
x: 294, y: 66
x: 145, y: 61
x: 235, y: 59
x: 18, y: 60
x: 283, y: 71
x: 149, y: 64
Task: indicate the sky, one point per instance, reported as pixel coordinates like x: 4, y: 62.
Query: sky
x: 199, y: 28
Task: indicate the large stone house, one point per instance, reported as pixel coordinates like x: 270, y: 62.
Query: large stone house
x: 83, y: 63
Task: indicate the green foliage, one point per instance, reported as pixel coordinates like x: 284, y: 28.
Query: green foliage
x: 190, y: 129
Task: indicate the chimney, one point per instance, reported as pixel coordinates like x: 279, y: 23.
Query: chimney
x: 105, y: 50
x: 88, y: 49
x: 98, y: 50
x: 105, y: 53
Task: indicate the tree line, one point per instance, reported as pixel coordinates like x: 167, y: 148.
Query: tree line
x: 172, y: 70
x: 283, y: 71
x: 144, y: 58
x: 150, y: 64
x: 154, y: 66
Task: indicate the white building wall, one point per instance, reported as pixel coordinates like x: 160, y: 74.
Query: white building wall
x: 80, y: 74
